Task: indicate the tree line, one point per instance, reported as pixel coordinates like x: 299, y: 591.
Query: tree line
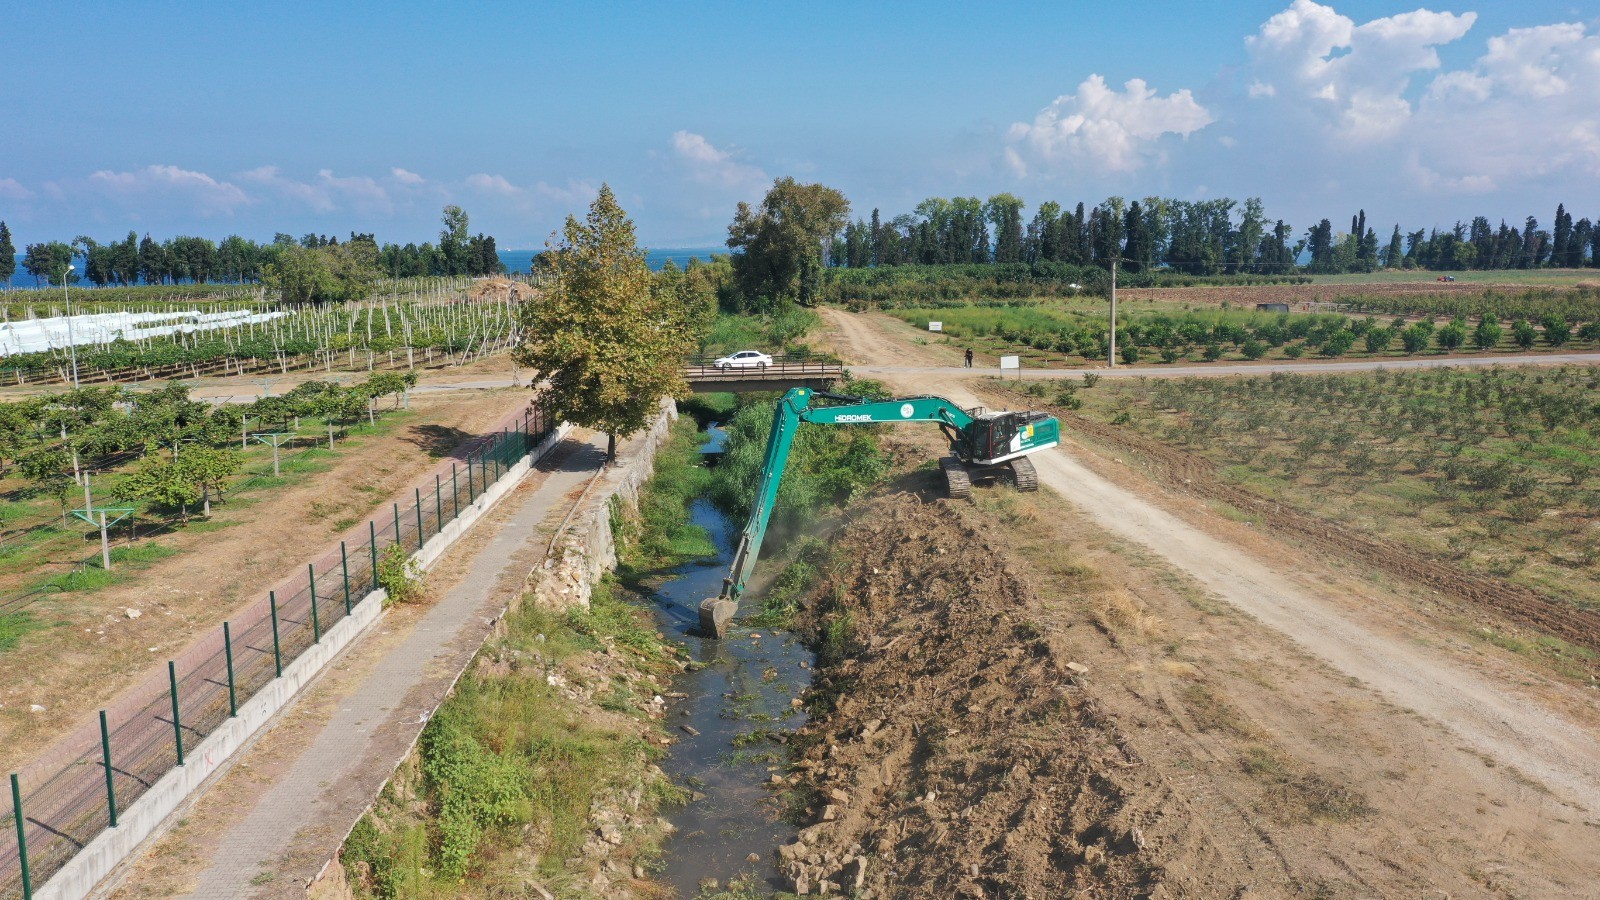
x: 1203, y: 237
x: 188, y: 259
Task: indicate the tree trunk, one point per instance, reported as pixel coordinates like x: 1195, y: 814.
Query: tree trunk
x: 611, y: 446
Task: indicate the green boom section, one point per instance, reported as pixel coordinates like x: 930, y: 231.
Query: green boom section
x: 793, y: 409
x: 977, y: 439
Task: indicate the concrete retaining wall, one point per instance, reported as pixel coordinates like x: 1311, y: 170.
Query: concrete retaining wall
x: 584, y: 551
x: 587, y: 549
x: 146, y: 818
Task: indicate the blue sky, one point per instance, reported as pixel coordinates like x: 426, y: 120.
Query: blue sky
x: 216, y: 118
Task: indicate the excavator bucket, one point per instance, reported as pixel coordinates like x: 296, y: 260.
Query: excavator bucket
x: 715, y: 614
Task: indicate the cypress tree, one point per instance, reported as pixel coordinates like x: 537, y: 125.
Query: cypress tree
x: 8, y: 254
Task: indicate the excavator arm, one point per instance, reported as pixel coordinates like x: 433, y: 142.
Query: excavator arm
x: 793, y: 409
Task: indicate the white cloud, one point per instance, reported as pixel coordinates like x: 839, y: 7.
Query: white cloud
x: 1102, y: 128
x: 1359, y: 74
x: 1525, y: 111
x: 206, y: 194
x: 709, y: 165
x: 492, y: 184
x: 325, y: 193
x: 12, y: 189
x: 404, y: 177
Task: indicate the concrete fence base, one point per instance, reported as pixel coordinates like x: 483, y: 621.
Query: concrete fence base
x: 147, y: 817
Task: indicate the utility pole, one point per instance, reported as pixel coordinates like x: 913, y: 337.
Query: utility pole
x: 1111, y: 361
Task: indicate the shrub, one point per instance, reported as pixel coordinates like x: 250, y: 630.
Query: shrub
x: 400, y: 576
x: 1294, y: 351
x: 1254, y: 349
x: 1130, y: 353
x: 1452, y: 336
x: 1378, y: 339
x: 1213, y: 352
x: 1556, y: 330
x: 1415, y: 338
x: 1487, y: 335
x: 1524, y: 334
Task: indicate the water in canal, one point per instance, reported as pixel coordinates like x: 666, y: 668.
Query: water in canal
x: 740, y: 690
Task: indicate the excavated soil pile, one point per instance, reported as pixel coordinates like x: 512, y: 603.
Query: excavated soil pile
x: 956, y: 749
x: 498, y: 290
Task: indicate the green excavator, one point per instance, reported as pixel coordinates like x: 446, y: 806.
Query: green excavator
x: 984, y: 447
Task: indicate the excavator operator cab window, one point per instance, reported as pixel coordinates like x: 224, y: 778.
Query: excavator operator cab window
x: 994, y: 436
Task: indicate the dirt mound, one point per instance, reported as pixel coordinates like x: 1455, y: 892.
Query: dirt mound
x: 498, y: 290
x: 956, y: 749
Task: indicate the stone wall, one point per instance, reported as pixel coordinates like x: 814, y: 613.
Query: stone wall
x: 586, y: 549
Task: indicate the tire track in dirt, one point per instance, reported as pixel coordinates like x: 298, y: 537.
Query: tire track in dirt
x: 957, y: 753
x: 1492, y: 720
x: 1191, y: 474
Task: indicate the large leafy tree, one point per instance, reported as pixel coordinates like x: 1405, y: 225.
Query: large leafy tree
x: 779, y: 244
x: 1005, y: 211
x: 609, y: 343
x: 48, y: 262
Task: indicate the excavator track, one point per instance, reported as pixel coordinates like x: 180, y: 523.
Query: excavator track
x: 958, y: 483
x: 1027, y: 477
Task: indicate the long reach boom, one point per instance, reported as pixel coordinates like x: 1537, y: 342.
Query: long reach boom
x: 983, y: 444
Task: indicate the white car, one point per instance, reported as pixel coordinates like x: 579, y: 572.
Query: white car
x: 744, y: 359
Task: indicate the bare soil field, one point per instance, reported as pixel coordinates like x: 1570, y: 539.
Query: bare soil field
x: 93, y: 643
x: 1185, y: 752
x: 1299, y: 721
x: 1484, y: 601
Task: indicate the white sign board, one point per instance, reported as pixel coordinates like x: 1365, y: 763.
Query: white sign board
x: 1010, y: 362
x: 935, y: 326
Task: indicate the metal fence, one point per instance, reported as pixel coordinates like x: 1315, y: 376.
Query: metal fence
x: 63, y: 800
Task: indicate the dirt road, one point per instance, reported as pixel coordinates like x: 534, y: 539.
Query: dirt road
x: 1511, y: 744
x: 879, y: 346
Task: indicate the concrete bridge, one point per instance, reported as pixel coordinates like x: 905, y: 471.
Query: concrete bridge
x: 780, y: 376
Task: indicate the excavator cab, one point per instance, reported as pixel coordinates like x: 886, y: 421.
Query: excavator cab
x: 997, y: 437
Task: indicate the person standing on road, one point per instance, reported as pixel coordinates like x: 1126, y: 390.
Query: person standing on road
x: 969, y: 357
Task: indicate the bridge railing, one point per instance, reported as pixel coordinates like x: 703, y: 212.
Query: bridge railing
x: 780, y: 368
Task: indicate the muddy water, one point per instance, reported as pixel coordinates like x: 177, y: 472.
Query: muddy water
x: 737, y: 695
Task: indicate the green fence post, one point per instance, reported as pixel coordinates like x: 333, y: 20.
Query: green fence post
x: 419, y: 518
x: 316, y: 626
x: 472, y: 493
x: 344, y: 569
x: 277, y: 651
x: 438, y: 503
x: 397, y: 524
x: 372, y: 544
x: 455, y: 492
x: 227, y: 647
x: 105, y: 755
x: 177, y: 721
x: 22, y: 838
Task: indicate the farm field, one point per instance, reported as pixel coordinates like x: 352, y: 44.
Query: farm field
x: 1153, y: 332
x: 72, y: 648
x: 1495, y: 474
x: 1314, y: 710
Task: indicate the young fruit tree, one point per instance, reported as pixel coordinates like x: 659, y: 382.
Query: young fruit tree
x: 609, y: 343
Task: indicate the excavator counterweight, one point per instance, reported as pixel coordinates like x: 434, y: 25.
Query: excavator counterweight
x: 984, y: 447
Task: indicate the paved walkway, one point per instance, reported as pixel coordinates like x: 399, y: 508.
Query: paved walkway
x: 301, y: 816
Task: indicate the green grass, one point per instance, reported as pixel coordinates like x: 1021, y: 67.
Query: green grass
x: 125, y: 559
x: 13, y: 626
x: 511, y: 761
x: 663, y: 537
